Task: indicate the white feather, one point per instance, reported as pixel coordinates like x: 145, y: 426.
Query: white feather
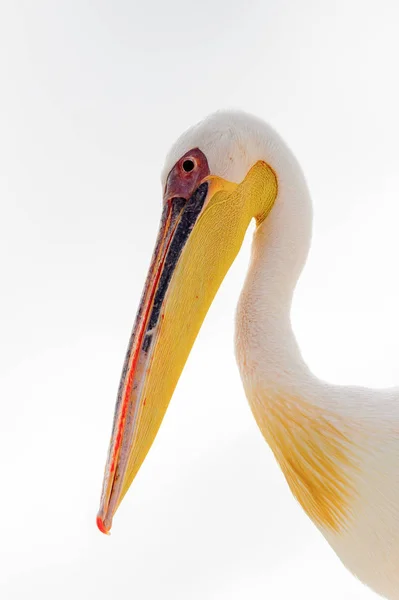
x: 270, y: 361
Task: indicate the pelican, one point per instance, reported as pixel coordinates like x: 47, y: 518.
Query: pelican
x: 338, y: 446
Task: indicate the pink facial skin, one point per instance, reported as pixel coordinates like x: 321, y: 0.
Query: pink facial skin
x: 186, y: 175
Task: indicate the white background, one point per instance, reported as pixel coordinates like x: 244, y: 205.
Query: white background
x: 92, y: 95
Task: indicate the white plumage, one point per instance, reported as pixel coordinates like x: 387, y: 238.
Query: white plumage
x: 338, y: 446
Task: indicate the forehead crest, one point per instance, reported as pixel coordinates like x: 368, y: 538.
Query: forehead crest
x: 223, y: 142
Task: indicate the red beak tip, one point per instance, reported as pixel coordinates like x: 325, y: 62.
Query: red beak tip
x: 101, y: 526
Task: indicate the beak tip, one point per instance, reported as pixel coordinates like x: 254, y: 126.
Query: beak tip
x: 101, y: 525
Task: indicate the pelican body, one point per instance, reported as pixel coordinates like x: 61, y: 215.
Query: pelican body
x: 337, y: 446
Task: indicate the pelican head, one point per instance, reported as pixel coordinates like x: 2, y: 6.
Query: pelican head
x: 218, y: 176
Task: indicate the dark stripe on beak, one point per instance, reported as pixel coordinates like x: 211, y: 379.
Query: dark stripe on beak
x: 183, y: 230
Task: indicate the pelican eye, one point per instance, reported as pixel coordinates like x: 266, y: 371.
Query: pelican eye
x: 188, y: 165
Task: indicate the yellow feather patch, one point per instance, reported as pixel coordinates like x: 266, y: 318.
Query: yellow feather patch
x: 315, y: 453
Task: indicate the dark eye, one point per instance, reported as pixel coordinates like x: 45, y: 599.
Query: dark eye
x: 188, y: 165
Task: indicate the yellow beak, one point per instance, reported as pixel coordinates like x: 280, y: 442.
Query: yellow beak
x: 197, y: 243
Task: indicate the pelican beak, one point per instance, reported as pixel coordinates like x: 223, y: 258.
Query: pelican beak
x: 199, y: 238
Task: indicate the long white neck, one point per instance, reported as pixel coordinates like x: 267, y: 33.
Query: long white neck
x: 265, y: 343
